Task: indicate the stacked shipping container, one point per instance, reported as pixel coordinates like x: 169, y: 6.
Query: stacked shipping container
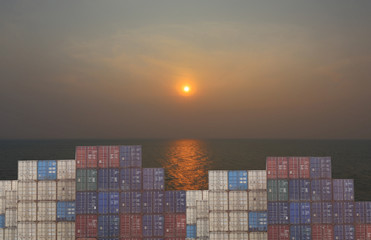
x: 8, y: 210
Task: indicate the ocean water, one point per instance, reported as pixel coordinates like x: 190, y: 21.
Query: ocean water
x: 186, y: 161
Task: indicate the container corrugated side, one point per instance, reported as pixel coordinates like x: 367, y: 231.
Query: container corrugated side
x: 131, y: 225
x: 108, y: 156
x: 278, y: 213
x: 130, y: 202
x: 344, y: 232
x: 343, y: 189
x: 238, y: 221
x: 363, y: 231
x: 322, y: 232
x: 27, y: 211
x: 46, y: 211
x: 175, y: 225
x: 258, y: 236
x: 27, y: 231
x: 66, y: 211
x: 258, y: 200
x: 191, y: 231
x: 153, y: 178
x: 258, y: 221
x: 218, y: 201
x: 108, y: 225
x: 300, y: 232
x: 278, y: 232
x: 202, y: 228
x: 2, y: 233
x: 191, y: 215
x: 27, y: 170
x: 11, y: 233
x: 238, y: 236
x: 300, y: 213
x: 237, y: 180
x: 219, y: 236
x: 131, y: 156
x: 131, y: 179
x: 108, y: 179
x: 218, y: 180
x: 11, y: 218
x: 202, y: 209
x: 320, y: 167
x: 11, y: 198
x: 46, y: 230
x: 86, y: 203
x: 66, y: 169
x: 257, y: 180
x: 47, y: 190
x: 2, y: 205
x: 46, y: 170
x: 66, y: 190
x: 271, y: 167
x: 65, y: 230
x: 321, y: 190
x: 108, y: 203
x: 86, y: 226
x: 192, y: 196
x: 175, y: 201
x: 238, y: 200
x: 322, y: 212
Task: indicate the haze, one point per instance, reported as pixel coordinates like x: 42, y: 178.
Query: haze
x: 110, y: 69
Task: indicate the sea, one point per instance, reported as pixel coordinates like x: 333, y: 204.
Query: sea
x: 187, y: 161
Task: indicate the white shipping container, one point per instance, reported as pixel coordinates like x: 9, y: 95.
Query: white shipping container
x: 202, y: 209
x: 46, y: 211
x: 258, y: 200
x: 11, y: 233
x: 258, y: 236
x: 238, y: 221
x: 65, y: 231
x: 219, y: 236
x: 27, y: 211
x: 257, y: 179
x: 66, y: 190
x: 27, y: 191
x: 218, y: 201
x: 47, y: 190
x: 218, y: 180
x: 27, y: 170
x: 11, y: 199
x: 11, y: 218
x: 46, y: 231
x: 192, y: 196
x: 238, y: 236
x: 5, y: 186
x: 191, y: 215
x: 2, y: 234
x: 218, y: 221
x: 205, y: 195
x: 66, y: 169
x: 2, y: 205
x: 238, y: 200
x: 27, y: 231
x: 202, y: 228
x: 14, y: 185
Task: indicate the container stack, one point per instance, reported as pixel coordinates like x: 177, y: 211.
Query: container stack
x: 196, y: 212
x: 175, y: 215
x: 66, y: 192
x: 8, y: 210
x: 362, y: 220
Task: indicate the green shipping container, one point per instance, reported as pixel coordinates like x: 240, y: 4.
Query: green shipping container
x: 283, y: 190
x: 86, y: 180
x: 272, y: 190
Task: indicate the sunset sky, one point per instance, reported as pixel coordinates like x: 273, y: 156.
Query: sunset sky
x: 116, y: 69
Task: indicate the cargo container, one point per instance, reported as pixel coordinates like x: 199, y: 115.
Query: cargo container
x: 320, y: 167
x: 108, y: 203
x: 108, y: 225
x: 238, y: 200
x: 202, y: 209
x: 108, y: 179
x: 321, y: 190
x: 65, y: 230
x: 131, y: 225
x: 257, y: 180
x: 322, y: 232
x: 175, y: 225
x: 11, y: 218
x: 131, y: 156
x: 86, y: 203
x: 131, y: 179
x: 238, y: 221
x: 300, y: 232
x: 10, y: 234
x: 2, y: 220
x: 218, y: 201
x: 130, y: 202
x: 46, y: 211
x: 219, y: 236
x: 344, y: 232
x: 27, y: 170
x: 192, y: 196
x: 202, y: 228
x: 258, y: 236
x: 191, y: 231
x: 27, y: 211
x: 343, y: 189
x: 47, y: 170
x: 362, y: 212
x: 27, y: 191
x: 363, y: 231
x: 108, y: 156
x: 47, y: 190
x: 147, y: 202
x: 258, y: 200
x: 66, y: 190
x: 322, y: 212
x: 27, y: 231
x: 86, y: 157
x: 175, y: 202
x: 86, y: 226
x: 66, y: 211
x: 300, y: 213
x: 237, y: 180
x: 258, y: 221
x: 278, y: 213
x: 299, y: 167
x: 66, y: 169
x: 2, y: 205
x: 218, y: 180
x: 367, y: 212
x: 86, y: 179
x: 278, y: 232
x: 277, y: 190
x: 271, y: 166
x: 153, y: 178
x: 238, y: 236
x: 338, y: 211
x: 46, y: 230
x: 191, y: 215
x: 11, y: 199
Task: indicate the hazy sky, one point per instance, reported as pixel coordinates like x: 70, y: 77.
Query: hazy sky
x: 257, y: 69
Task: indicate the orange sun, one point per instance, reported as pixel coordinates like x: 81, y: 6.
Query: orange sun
x: 186, y: 89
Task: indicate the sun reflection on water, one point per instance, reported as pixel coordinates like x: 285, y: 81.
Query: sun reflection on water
x: 186, y: 165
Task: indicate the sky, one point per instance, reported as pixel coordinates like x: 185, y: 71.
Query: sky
x: 256, y: 69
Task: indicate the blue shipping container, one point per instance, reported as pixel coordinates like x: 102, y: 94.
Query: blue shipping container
x: 316, y: 209
x: 158, y: 225
x: 338, y: 208
x: 326, y: 186
x: 158, y: 201
x: 343, y: 189
x: 175, y: 202
x: 46, y: 170
x: 359, y: 212
x: 131, y: 179
x: 86, y: 203
x: 153, y: 179
x: 300, y: 232
x: 108, y: 203
x: 316, y: 190
x: 191, y: 231
x: 348, y: 212
x: 278, y: 213
x: 346, y: 232
x: 305, y: 213
x: 131, y: 202
x: 131, y: 156
x: 305, y: 190
x: 327, y: 212
x: 108, y: 226
x: 2, y: 221
x: 237, y: 180
x: 294, y: 190
x: 147, y: 202
x: 348, y: 189
x: 258, y: 221
x: 108, y: 179
x: 320, y: 167
x: 339, y: 232
x: 147, y: 225
x: 66, y: 211
x: 367, y: 212
x: 294, y: 213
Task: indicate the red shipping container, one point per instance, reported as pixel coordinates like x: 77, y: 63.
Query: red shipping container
x: 114, y: 156
x: 278, y: 232
x: 322, y: 232
x: 131, y: 225
x: 86, y: 225
x: 80, y: 157
x: 175, y: 225
x: 294, y: 167
x: 304, y: 167
x: 91, y: 157
x: 131, y: 238
x: 282, y: 167
x: 103, y: 156
x: 363, y: 231
x: 271, y: 167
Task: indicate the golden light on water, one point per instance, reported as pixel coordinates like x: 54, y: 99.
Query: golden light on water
x: 187, y: 165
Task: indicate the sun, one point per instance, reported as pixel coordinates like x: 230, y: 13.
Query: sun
x: 186, y: 89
